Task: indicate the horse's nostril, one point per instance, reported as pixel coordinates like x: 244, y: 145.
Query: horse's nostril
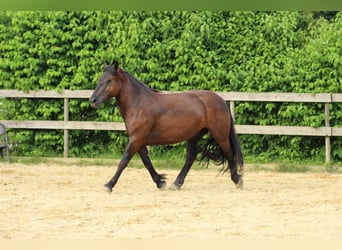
x: 93, y: 102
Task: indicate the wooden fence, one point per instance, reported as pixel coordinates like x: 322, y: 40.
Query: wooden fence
x: 327, y: 131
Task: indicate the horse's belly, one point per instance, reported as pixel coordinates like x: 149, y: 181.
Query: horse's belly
x: 170, y: 131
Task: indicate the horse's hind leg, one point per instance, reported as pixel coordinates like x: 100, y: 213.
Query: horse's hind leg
x: 191, y: 153
x: 223, y: 141
x: 234, y: 175
x: 159, y: 179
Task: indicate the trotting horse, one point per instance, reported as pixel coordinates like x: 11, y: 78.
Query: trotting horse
x: 152, y: 117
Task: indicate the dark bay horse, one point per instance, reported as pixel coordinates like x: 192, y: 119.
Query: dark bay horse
x: 152, y: 117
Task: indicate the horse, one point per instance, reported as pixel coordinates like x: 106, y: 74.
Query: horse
x: 153, y: 117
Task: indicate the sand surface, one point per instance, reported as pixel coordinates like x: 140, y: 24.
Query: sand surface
x: 50, y: 201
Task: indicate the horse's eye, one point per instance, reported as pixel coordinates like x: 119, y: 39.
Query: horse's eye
x: 108, y: 81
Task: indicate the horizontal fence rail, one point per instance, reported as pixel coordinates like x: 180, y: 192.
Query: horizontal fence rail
x: 232, y: 97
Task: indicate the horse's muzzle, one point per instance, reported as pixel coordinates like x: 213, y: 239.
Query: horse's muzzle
x: 93, y: 102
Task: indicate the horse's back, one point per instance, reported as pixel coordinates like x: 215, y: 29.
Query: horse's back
x: 197, y: 102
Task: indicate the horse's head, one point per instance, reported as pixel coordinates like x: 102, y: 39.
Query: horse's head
x: 108, y: 85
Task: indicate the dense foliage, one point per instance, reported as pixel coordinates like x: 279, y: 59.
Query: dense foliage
x: 220, y: 51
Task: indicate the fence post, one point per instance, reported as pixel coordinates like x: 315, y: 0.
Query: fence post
x: 327, y: 137
x: 66, y: 132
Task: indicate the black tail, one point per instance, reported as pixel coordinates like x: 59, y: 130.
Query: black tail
x: 209, y: 149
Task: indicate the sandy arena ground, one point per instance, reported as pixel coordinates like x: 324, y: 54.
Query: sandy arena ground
x: 49, y: 201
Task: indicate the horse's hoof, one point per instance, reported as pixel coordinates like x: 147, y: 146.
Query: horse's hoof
x: 161, y: 185
x: 239, y: 185
x: 108, y: 188
x: 175, y: 186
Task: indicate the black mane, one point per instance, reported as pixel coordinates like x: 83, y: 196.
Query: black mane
x: 138, y: 82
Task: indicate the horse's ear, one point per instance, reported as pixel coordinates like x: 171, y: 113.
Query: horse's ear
x: 116, y: 65
x: 105, y: 64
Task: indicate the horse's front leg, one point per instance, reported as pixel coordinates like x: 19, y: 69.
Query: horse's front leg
x: 127, y: 156
x: 159, y: 179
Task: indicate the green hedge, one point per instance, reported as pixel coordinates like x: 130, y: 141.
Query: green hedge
x: 220, y: 51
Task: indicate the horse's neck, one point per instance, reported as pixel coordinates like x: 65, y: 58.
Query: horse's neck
x: 132, y: 92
